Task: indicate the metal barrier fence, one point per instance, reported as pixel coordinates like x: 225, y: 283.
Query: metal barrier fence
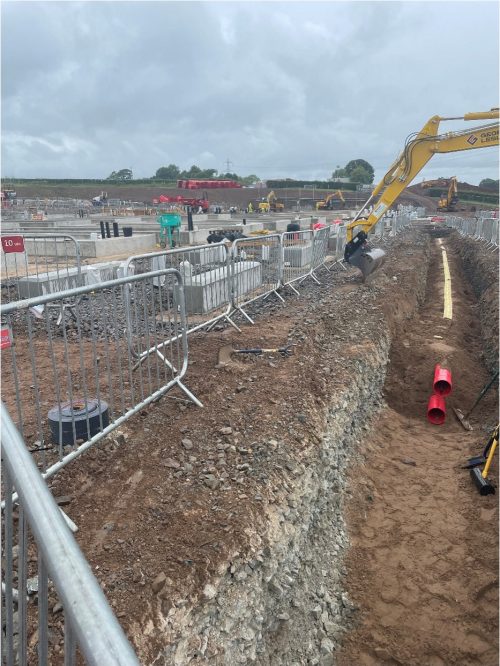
x: 33, y: 265
x: 320, y: 249
x: 255, y: 271
x: 479, y: 229
x: 399, y: 222
x: 340, y: 236
x: 205, y: 272
x: 297, y: 257
x: 84, y: 369
x: 41, y: 554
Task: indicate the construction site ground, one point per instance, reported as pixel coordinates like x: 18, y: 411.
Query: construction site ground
x: 167, y: 506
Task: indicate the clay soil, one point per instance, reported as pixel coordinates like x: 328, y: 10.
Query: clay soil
x: 423, y: 562
x: 423, y: 567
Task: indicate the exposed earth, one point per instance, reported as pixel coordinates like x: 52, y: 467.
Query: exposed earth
x: 309, y: 514
x: 414, y: 195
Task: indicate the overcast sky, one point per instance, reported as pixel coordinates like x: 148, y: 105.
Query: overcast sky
x: 280, y: 89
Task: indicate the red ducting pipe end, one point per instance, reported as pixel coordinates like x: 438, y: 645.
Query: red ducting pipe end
x: 442, y: 380
x: 436, y: 409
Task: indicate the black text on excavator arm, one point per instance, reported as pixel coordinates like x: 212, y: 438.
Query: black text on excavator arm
x: 418, y: 150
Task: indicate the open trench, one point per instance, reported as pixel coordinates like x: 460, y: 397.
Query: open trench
x: 309, y: 514
x: 423, y: 563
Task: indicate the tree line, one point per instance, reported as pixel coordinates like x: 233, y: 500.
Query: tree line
x: 357, y: 171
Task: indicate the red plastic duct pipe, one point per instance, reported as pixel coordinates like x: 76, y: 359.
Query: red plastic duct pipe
x: 442, y: 381
x: 436, y: 409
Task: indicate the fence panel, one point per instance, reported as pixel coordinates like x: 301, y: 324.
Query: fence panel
x: 341, y: 243
x: 320, y: 249
x: 494, y: 233
x: 70, y: 385
x: 479, y: 225
x: 297, y: 257
x: 205, y: 272
x: 255, y: 270
x: 33, y: 265
x: 39, y: 555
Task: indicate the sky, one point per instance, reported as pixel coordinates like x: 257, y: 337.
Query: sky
x: 275, y: 89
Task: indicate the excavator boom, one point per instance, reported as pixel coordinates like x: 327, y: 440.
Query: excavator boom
x: 327, y: 203
x: 418, y: 150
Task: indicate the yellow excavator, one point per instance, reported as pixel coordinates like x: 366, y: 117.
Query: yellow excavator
x: 328, y: 203
x: 418, y: 150
x: 271, y: 203
x: 449, y: 201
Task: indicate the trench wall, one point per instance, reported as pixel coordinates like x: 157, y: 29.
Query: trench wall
x: 481, y: 268
x: 283, y: 603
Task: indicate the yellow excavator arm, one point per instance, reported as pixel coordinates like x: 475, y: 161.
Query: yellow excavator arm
x: 325, y: 203
x: 418, y: 150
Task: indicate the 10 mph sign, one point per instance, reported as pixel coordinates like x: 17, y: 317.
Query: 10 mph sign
x: 5, y: 337
x: 12, y: 244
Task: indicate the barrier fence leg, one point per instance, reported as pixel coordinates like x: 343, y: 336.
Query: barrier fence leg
x: 188, y: 393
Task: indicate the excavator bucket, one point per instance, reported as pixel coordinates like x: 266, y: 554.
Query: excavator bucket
x: 367, y: 261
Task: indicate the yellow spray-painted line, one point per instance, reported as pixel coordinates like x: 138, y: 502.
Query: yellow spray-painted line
x: 448, y: 303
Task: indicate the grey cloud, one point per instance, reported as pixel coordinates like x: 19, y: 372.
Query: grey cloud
x: 282, y: 89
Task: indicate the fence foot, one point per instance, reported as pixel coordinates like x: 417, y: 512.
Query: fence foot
x: 292, y: 288
x: 229, y: 321
x: 233, y: 324
x: 279, y: 296
x: 245, y: 315
x: 144, y: 355
x: 276, y: 294
x: 190, y: 395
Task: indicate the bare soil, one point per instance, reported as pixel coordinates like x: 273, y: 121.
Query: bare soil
x: 240, y: 197
x: 423, y: 567
x: 423, y: 563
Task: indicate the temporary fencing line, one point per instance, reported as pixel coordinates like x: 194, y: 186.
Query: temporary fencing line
x: 155, y: 393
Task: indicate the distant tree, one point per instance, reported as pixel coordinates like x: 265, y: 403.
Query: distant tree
x: 250, y: 180
x: 170, y: 172
x: 209, y: 173
x: 360, y: 175
x: 193, y: 172
x: 230, y: 176
x: 339, y: 173
x: 489, y: 184
x: 196, y: 172
x: 354, y: 164
x: 123, y: 174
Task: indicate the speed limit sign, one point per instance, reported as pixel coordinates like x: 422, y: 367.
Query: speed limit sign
x: 12, y: 244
